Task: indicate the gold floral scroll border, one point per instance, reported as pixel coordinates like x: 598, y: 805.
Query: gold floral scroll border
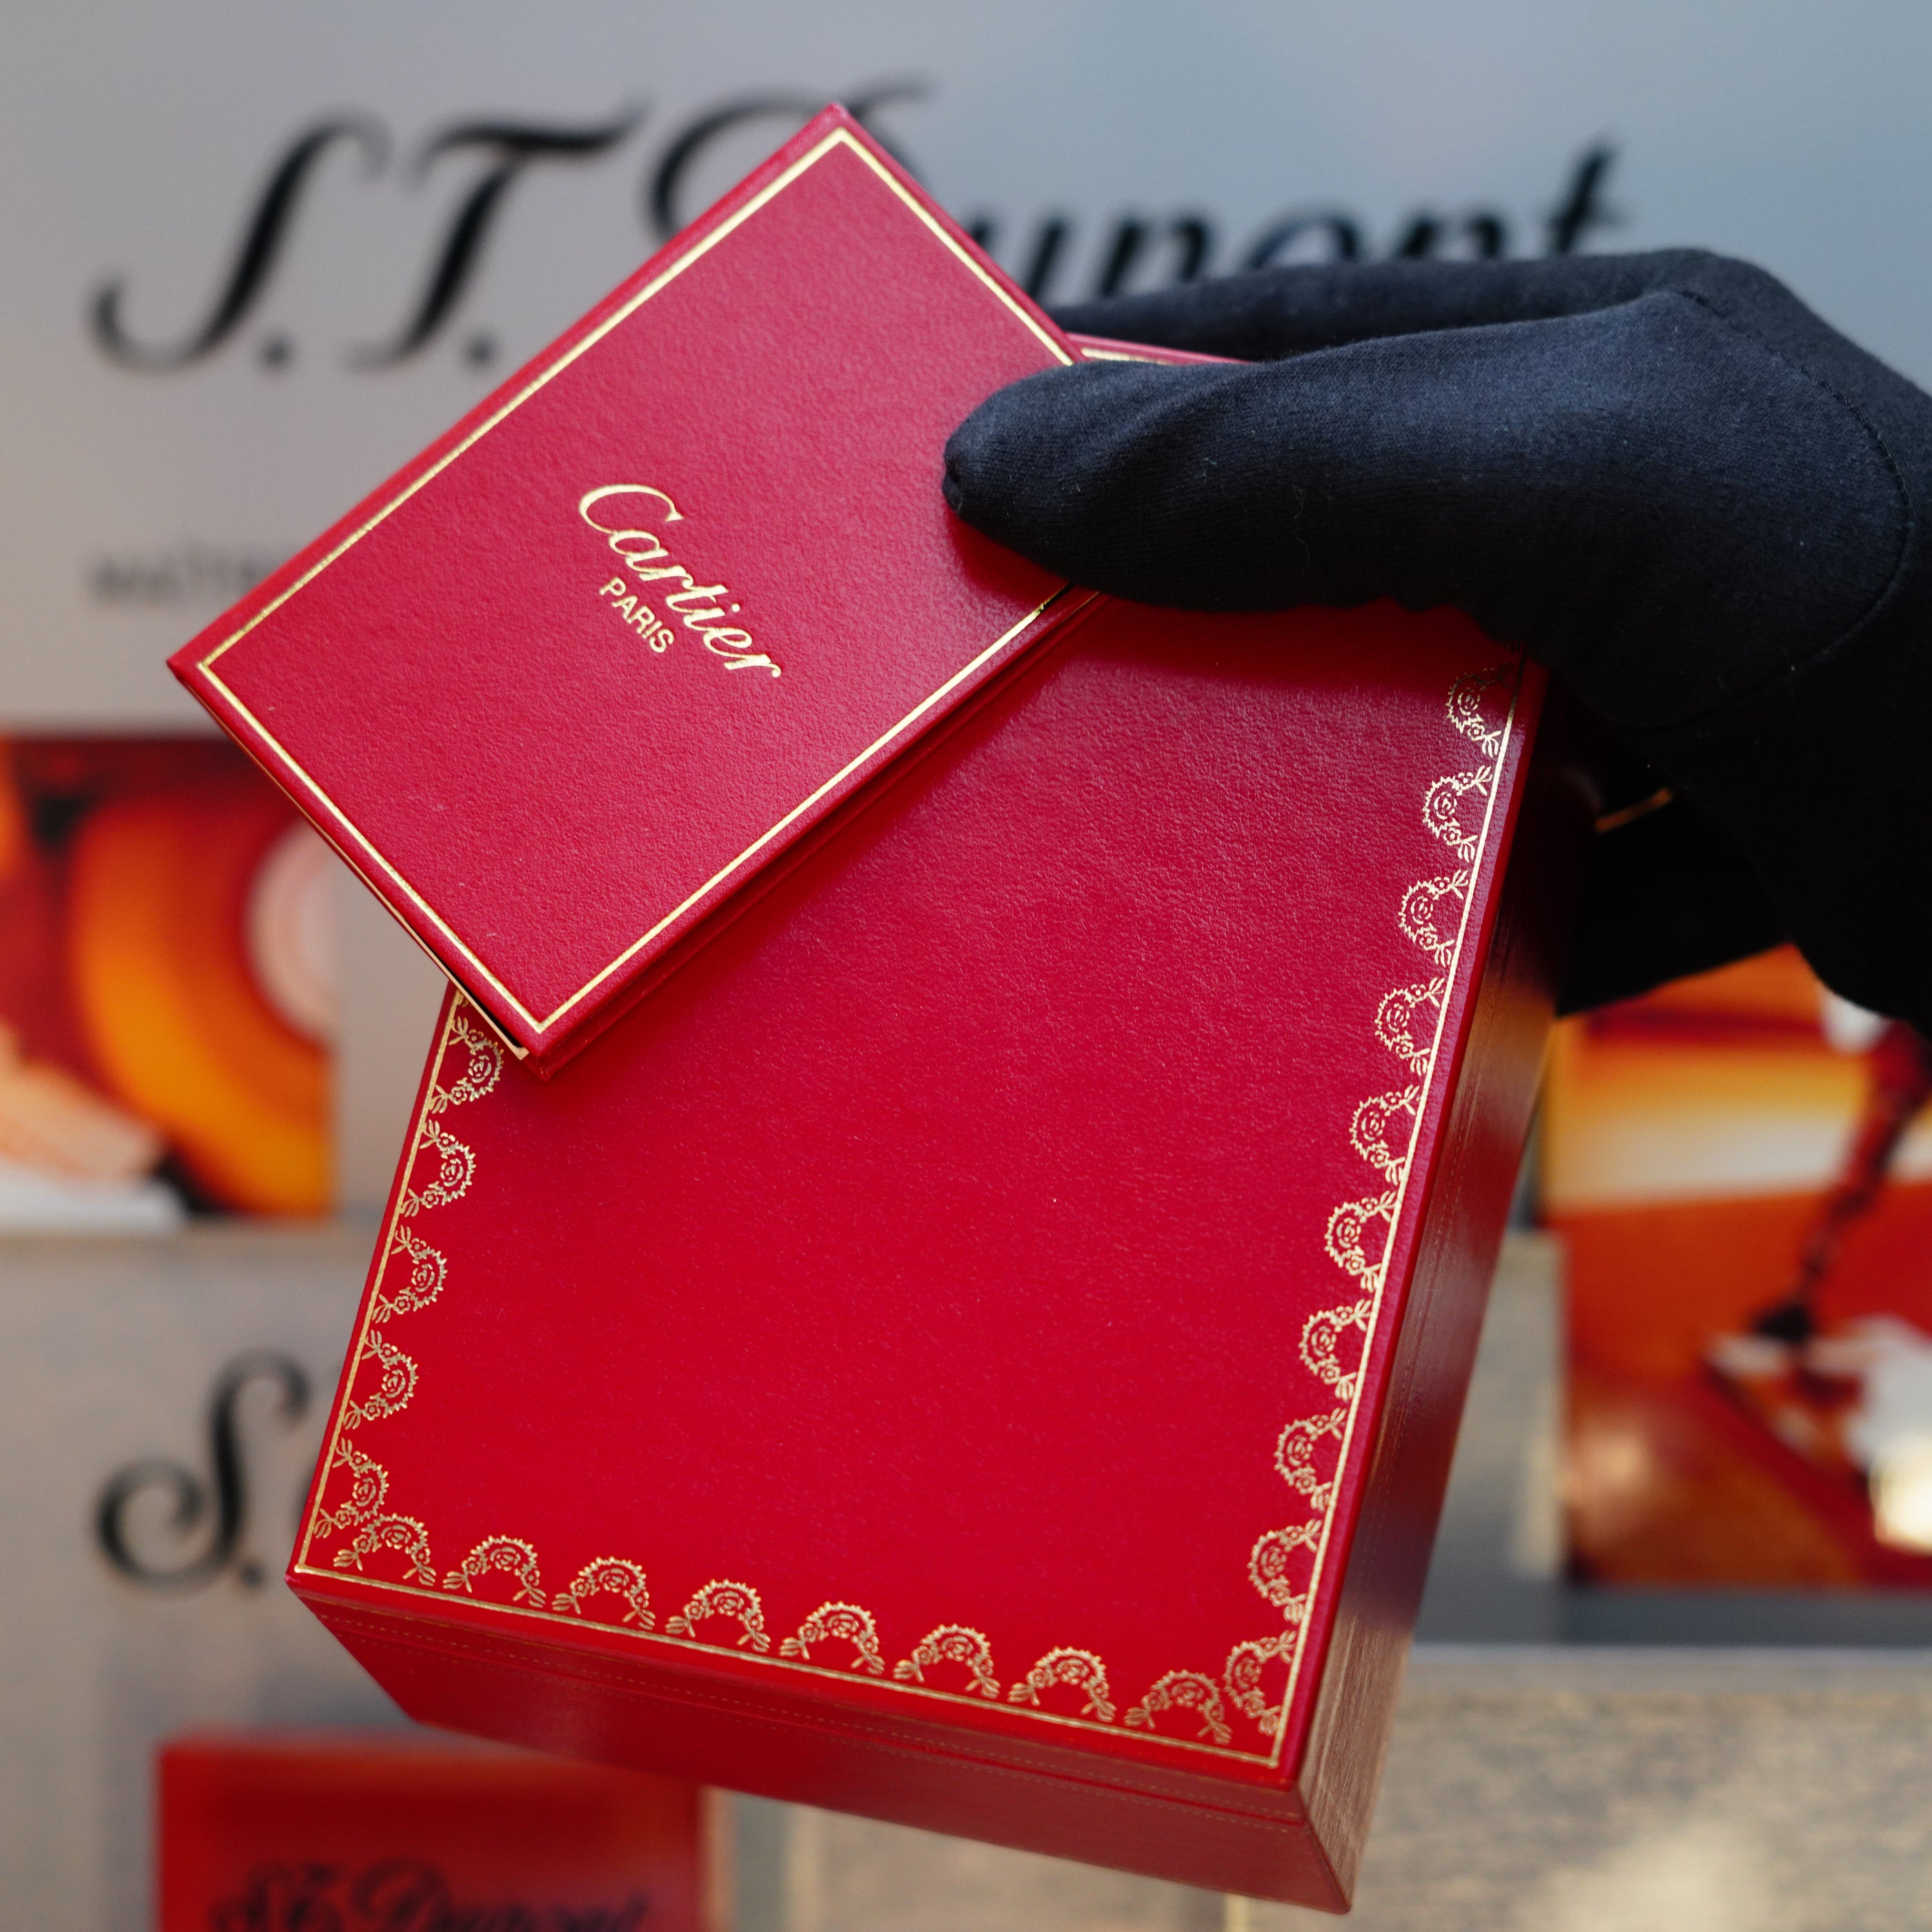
x: 352, y: 1507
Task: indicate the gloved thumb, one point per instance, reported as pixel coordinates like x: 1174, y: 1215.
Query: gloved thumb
x: 1605, y: 490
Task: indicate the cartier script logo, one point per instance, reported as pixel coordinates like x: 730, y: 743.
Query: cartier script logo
x: 702, y: 609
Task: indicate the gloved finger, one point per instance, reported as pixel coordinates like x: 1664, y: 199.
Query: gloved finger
x: 1603, y: 489
x: 1269, y: 313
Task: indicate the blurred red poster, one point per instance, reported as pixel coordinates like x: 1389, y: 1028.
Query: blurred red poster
x: 399, y: 1833
x: 1740, y: 1165
x: 167, y: 988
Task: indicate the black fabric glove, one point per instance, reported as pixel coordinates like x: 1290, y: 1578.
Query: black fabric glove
x: 1661, y: 475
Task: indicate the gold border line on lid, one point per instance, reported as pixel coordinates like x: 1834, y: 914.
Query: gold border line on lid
x: 346, y: 830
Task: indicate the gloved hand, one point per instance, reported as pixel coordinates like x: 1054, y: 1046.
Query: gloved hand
x: 1661, y: 475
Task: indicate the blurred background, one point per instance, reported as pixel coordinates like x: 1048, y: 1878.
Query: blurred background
x: 1674, y: 1658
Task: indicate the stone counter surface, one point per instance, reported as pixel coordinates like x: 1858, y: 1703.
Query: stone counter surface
x: 1578, y: 1790
x: 1545, y: 1790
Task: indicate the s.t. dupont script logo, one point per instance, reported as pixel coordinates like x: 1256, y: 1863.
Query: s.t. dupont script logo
x: 702, y: 609
x: 399, y: 1895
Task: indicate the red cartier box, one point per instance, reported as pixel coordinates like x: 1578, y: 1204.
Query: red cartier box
x: 298, y: 1831
x: 981, y: 1345
x: 563, y: 685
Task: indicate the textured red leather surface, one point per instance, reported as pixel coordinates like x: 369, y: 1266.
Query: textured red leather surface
x: 568, y: 679
x: 335, y: 1831
x: 981, y: 1342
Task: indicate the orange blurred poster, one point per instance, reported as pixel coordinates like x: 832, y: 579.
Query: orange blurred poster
x: 165, y: 987
x: 1740, y: 1165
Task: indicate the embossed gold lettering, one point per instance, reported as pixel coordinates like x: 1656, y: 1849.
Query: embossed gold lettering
x: 676, y: 599
x: 732, y: 647
x: 591, y: 498
x: 644, y: 553
x: 639, y: 615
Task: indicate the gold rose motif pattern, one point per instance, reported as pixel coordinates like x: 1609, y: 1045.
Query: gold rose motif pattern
x: 739, y: 1602
x: 507, y: 1555
x: 1246, y: 1663
x: 469, y: 1064
x: 1185, y: 1691
x: 618, y: 1577
x: 1283, y: 1564
x: 405, y: 1535
x: 955, y: 1659
x: 1081, y: 1668
x: 952, y: 1643
x: 845, y: 1620
x: 395, y: 1382
x: 422, y: 1281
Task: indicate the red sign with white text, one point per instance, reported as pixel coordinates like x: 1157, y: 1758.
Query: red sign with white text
x: 338, y: 1832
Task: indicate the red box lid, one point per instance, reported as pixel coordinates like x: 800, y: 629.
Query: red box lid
x: 274, y: 1832
x: 568, y: 679
x: 997, y: 1300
